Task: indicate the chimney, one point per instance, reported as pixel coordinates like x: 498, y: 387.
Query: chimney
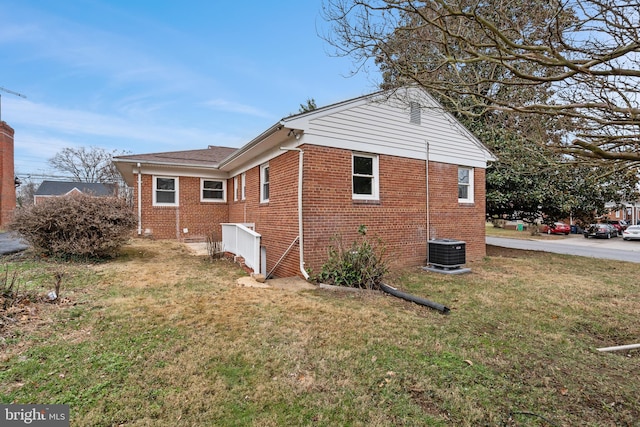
x: 7, y: 175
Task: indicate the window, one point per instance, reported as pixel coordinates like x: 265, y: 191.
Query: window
x: 165, y: 191
x: 365, y: 177
x: 243, y: 186
x: 264, y: 183
x: 465, y: 185
x: 235, y: 188
x: 212, y: 190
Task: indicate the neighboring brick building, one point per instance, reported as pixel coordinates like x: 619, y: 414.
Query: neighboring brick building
x: 7, y: 175
x: 48, y: 189
x: 362, y: 162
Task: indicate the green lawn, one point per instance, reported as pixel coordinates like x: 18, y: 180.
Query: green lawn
x: 160, y: 337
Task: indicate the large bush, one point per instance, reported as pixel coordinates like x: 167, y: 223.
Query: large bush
x: 76, y: 226
x: 360, y: 265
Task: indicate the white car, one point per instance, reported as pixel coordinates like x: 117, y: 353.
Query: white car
x: 631, y: 233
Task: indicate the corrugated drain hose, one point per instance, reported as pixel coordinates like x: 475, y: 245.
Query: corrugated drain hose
x: 408, y: 297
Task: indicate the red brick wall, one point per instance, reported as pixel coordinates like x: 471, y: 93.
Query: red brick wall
x: 399, y: 218
x: 169, y: 222
x: 7, y: 176
x: 277, y: 220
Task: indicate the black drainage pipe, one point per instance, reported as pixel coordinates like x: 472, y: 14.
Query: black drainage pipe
x: 408, y: 297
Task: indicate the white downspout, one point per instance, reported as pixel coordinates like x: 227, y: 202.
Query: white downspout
x: 139, y: 200
x: 300, y: 228
x: 427, y: 185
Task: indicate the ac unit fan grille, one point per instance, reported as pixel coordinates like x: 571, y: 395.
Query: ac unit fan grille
x: 447, y: 253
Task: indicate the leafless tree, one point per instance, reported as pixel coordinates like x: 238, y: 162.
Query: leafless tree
x: 92, y: 164
x: 575, y: 62
x: 25, y: 192
x: 87, y: 164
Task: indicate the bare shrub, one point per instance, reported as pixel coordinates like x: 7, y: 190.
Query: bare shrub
x: 76, y: 226
x: 360, y: 265
x: 215, y: 248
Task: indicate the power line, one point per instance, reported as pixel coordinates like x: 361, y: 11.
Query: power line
x: 12, y: 93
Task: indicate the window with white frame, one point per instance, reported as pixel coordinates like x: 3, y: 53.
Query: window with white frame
x: 243, y: 186
x: 235, y: 188
x: 365, y: 176
x: 165, y: 191
x: 212, y: 190
x: 465, y: 185
x: 264, y: 183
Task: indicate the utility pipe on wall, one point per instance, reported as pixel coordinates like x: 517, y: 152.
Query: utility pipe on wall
x: 427, y: 186
x: 139, y: 200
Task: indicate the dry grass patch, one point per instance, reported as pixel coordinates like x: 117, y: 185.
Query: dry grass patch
x: 164, y: 337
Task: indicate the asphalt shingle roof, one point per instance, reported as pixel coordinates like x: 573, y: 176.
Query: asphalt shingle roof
x: 60, y: 188
x: 211, y: 156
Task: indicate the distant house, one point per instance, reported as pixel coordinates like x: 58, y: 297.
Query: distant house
x: 396, y: 163
x: 48, y: 189
x: 629, y: 211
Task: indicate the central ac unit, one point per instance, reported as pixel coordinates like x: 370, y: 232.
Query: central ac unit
x: 447, y: 253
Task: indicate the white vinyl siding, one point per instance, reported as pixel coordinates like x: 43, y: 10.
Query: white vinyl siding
x: 384, y: 128
x: 165, y: 191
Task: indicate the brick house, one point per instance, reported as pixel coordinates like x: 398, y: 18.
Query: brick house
x: 48, y: 189
x: 396, y: 163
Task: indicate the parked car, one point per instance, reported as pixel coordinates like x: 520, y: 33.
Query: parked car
x: 603, y: 231
x: 619, y: 225
x: 556, y: 228
x: 632, y: 232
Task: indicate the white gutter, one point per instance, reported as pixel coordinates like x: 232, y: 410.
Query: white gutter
x: 139, y: 200
x: 300, y: 228
x: 251, y: 144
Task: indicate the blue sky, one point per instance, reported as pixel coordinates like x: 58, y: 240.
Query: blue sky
x: 149, y: 76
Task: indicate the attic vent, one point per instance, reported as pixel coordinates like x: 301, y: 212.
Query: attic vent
x: 414, y: 115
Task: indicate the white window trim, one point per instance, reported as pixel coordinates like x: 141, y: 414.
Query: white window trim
x: 243, y: 186
x: 224, y: 191
x: 375, y: 185
x: 177, y: 190
x: 471, y: 186
x: 263, y: 199
x: 235, y: 188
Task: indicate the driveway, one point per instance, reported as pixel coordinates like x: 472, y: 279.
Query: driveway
x: 576, y: 244
x: 10, y: 243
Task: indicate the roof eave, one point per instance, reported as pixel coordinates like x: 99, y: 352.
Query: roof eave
x: 227, y: 163
x: 161, y: 163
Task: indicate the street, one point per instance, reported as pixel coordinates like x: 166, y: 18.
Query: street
x: 576, y: 244
x: 9, y: 244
